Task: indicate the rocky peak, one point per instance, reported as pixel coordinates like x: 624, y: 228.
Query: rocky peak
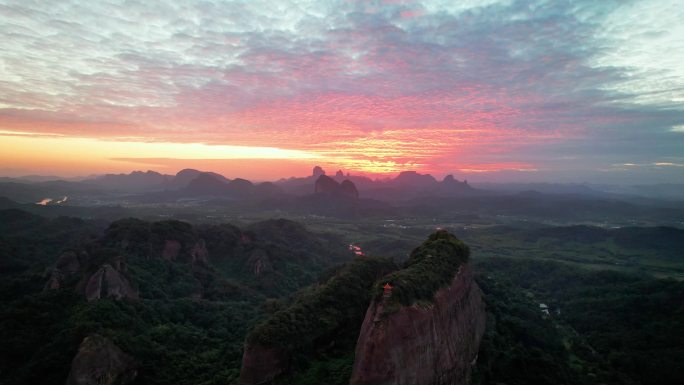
x: 199, y: 253
x: 347, y: 187
x: 435, y: 344
x: 68, y: 265
x: 327, y: 185
x: 107, y: 282
x: 260, y: 263
x: 317, y: 171
x: 452, y: 185
x: 240, y: 187
x: 171, y: 249
x: 414, y: 180
x: 299, y: 329
x: 100, y: 362
x: 185, y: 176
x: 206, y: 184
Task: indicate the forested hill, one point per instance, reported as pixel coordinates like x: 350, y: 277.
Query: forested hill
x: 175, y: 301
x: 176, y: 297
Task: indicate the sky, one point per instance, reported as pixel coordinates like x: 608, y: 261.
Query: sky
x: 490, y: 90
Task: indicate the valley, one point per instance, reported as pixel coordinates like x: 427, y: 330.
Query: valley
x: 183, y: 291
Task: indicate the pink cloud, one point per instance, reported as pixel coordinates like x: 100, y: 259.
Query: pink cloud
x: 410, y: 14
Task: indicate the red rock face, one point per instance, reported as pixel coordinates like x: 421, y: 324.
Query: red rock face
x: 260, y: 263
x: 68, y: 264
x: 106, y: 282
x: 199, y: 252
x: 171, y: 249
x: 260, y: 365
x: 100, y: 362
x: 416, y: 345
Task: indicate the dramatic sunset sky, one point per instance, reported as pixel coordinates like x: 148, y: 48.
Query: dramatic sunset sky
x: 487, y: 90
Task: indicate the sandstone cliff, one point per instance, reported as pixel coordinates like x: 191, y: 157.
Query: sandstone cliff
x: 435, y: 343
x: 68, y: 265
x: 107, y: 282
x: 323, y: 317
x: 262, y: 364
x: 423, y: 328
x: 100, y: 362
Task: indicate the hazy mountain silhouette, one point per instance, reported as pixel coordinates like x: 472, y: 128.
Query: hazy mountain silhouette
x: 185, y: 176
x: 136, y: 181
x: 326, y: 185
x: 212, y: 184
x: 205, y: 184
x: 406, y: 185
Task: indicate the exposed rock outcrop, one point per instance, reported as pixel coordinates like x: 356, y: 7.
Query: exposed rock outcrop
x: 68, y: 265
x: 434, y: 344
x: 328, y: 317
x: 259, y: 262
x: 451, y: 185
x: 199, y: 253
x: 326, y: 184
x: 317, y: 171
x: 107, y: 282
x: 171, y: 249
x: 100, y: 362
x: 261, y: 365
x: 75, y: 268
x: 413, y: 180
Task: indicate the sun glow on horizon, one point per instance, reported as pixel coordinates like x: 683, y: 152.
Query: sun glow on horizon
x: 76, y: 155
x: 14, y: 142
x: 378, y: 156
x: 369, y: 87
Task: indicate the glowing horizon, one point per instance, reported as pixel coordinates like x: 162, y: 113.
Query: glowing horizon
x: 483, y: 89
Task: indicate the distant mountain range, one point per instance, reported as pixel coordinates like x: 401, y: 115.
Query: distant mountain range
x: 196, y: 183
x: 406, y: 185
x: 345, y: 196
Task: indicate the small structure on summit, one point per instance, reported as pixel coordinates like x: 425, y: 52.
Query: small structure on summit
x: 387, y: 290
x: 356, y: 250
x: 545, y: 310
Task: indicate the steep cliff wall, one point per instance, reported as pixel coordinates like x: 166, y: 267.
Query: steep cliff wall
x: 100, y: 362
x: 418, y: 325
x: 323, y: 317
x: 261, y: 364
x: 432, y: 343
